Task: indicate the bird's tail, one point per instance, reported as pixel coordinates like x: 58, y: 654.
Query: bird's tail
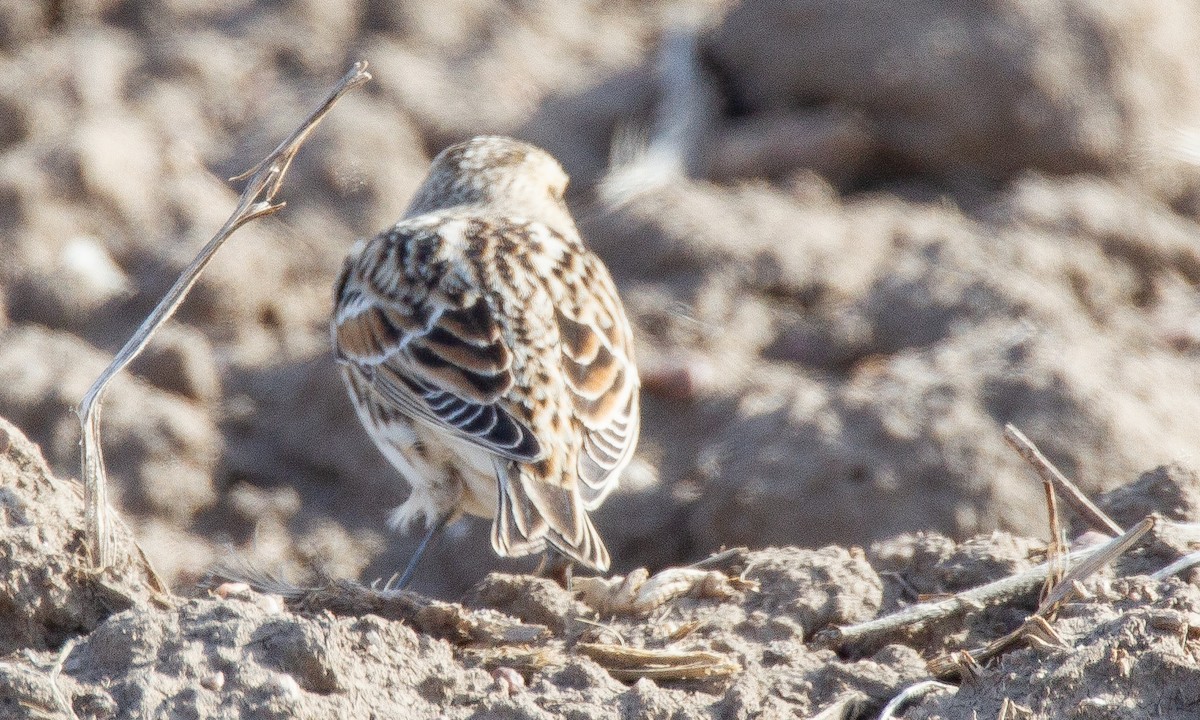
x: 533, y: 512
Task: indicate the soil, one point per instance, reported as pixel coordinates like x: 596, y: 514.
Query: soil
x: 854, y: 241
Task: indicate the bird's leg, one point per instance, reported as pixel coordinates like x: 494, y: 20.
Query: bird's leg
x: 557, y: 567
x: 433, y: 531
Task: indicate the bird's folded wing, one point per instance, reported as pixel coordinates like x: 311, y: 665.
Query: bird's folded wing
x: 597, y: 361
x: 444, y: 365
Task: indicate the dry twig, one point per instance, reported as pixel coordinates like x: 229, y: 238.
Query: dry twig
x: 1056, y: 550
x: 1088, y: 560
x: 257, y: 200
x: 1091, y: 514
x: 872, y: 631
x: 1036, y: 630
x: 447, y: 621
x: 64, y: 705
x: 1010, y: 710
x: 847, y: 705
x: 1184, y: 563
x: 1106, y: 553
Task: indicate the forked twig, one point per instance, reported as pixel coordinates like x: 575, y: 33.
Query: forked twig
x: 1091, y: 514
x: 1035, y: 628
x: 257, y: 200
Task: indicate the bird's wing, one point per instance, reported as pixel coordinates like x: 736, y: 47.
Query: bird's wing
x: 598, y: 364
x: 425, y: 338
x: 592, y: 420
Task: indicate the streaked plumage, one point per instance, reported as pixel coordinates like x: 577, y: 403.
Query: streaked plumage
x: 488, y: 354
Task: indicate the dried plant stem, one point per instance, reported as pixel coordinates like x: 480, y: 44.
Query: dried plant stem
x: 1105, y: 554
x: 1088, y: 561
x: 1091, y: 514
x: 1056, y: 550
x: 1184, y: 563
x: 257, y: 200
x: 64, y: 705
x: 1036, y: 629
x: 873, y: 630
x: 631, y: 664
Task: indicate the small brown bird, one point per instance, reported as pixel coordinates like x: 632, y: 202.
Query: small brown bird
x: 489, y: 357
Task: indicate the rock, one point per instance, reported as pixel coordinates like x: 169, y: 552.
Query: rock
x: 950, y: 88
x: 48, y: 593
x: 180, y: 359
x: 1172, y: 490
x: 77, y: 286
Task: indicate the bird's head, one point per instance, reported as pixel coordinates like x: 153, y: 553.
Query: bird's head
x: 497, y: 173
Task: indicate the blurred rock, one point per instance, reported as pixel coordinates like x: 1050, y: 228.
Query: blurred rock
x: 946, y: 88
x: 20, y: 24
x: 180, y: 359
x: 110, y: 170
x: 874, y: 345
x: 80, y: 282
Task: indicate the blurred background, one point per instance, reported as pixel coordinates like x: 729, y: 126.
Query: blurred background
x: 855, y: 239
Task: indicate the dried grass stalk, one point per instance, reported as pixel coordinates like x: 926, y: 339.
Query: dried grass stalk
x: 257, y: 200
x: 630, y: 663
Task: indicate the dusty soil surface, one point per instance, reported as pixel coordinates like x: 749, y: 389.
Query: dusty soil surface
x: 739, y: 637
x: 855, y: 240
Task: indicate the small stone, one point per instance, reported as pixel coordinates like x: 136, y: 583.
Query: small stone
x: 80, y: 281
x: 213, y: 682
x: 180, y: 359
x: 509, y: 681
x: 285, y: 685
x: 239, y: 590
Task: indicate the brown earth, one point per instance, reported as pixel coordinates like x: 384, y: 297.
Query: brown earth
x: 745, y: 642
x: 859, y: 239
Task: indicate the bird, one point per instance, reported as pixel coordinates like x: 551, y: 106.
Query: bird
x: 488, y: 355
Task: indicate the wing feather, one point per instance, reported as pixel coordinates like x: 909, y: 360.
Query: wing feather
x: 597, y: 350
x: 437, y: 356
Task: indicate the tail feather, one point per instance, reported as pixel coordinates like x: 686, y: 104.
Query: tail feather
x: 590, y: 551
x: 516, y: 531
x: 532, y: 513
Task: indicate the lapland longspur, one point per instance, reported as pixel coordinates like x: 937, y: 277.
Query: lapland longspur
x: 488, y: 355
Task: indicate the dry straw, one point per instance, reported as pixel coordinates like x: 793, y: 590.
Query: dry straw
x: 256, y: 201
